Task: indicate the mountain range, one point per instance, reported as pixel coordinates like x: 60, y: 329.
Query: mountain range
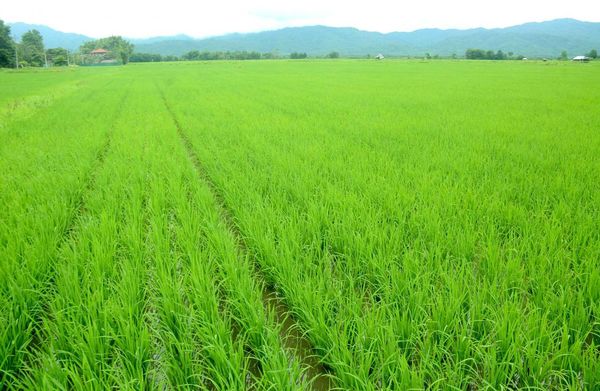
x: 540, y: 39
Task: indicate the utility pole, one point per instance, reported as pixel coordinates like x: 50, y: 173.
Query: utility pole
x: 45, y: 58
x: 68, y: 61
x: 16, y: 55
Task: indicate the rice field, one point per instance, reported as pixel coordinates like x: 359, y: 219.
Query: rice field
x: 301, y: 225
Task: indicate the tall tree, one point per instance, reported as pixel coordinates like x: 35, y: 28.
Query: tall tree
x: 32, y: 44
x: 125, y: 50
x: 563, y: 55
x: 593, y: 53
x: 7, y: 46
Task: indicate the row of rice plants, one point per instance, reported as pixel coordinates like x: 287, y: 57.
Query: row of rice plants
x: 46, y: 161
x: 269, y: 365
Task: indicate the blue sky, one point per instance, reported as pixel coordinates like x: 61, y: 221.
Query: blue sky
x: 201, y: 18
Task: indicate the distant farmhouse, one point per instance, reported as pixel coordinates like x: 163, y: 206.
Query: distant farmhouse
x: 99, y: 52
x: 100, y: 56
x: 379, y: 56
x: 581, y: 59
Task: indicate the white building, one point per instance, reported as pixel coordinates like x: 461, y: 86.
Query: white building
x: 581, y: 58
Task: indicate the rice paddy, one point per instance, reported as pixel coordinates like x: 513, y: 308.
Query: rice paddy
x: 301, y: 225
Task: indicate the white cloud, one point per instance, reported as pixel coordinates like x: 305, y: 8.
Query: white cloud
x: 149, y: 18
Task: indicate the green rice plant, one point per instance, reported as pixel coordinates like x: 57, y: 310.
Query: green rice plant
x: 367, y: 197
x: 424, y: 226
x: 46, y: 165
x: 220, y: 270
x: 94, y: 318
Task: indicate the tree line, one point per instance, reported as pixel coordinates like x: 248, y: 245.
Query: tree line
x: 196, y: 55
x: 480, y: 54
x: 31, y: 52
x: 593, y: 54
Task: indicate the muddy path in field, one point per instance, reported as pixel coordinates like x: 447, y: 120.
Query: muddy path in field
x: 292, y: 337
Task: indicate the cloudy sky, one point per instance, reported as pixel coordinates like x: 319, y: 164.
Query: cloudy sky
x: 143, y: 18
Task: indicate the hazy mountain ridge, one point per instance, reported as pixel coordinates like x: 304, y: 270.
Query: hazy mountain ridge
x: 52, y: 38
x: 543, y: 39
x: 152, y: 40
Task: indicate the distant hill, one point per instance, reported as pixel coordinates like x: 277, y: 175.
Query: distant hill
x: 153, y: 40
x: 544, y: 39
x: 52, y: 38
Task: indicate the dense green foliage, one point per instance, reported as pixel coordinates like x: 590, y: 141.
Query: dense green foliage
x: 479, y: 54
x: 428, y: 225
x: 195, y: 55
x: 296, y: 55
x: 57, y: 57
x: 31, y: 49
x: 147, y: 57
x: 119, y: 48
x: 7, y: 46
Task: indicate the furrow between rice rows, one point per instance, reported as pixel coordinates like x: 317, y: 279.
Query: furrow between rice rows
x: 291, y: 334
x: 27, y: 334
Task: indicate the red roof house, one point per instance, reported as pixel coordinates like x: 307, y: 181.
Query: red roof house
x: 99, y: 52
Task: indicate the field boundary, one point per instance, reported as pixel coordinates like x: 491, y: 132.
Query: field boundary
x: 292, y: 337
